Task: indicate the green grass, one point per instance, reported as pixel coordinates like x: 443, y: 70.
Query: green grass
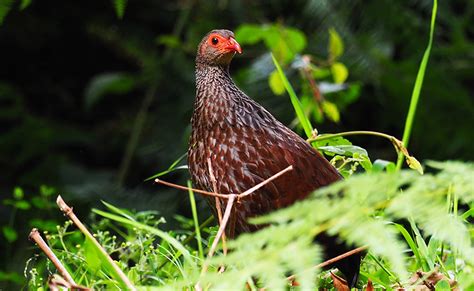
x: 418, y: 85
x: 436, y: 239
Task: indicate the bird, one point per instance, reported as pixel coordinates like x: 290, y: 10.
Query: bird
x: 246, y: 145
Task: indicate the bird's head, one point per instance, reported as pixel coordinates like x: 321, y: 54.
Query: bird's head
x: 217, y: 48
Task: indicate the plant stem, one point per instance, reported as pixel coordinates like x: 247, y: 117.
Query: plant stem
x: 196, y: 221
x: 417, y: 88
x: 347, y: 133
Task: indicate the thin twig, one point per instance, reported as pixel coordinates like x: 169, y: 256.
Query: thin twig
x: 226, y: 196
x: 207, y: 193
x: 225, y: 219
x: 68, y: 211
x: 36, y: 237
x: 335, y: 259
x: 218, y: 203
x: 259, y: 185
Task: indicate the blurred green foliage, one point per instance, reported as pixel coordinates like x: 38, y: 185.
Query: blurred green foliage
x: 97, y: 96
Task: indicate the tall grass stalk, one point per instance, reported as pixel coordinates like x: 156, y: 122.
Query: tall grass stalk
x: 196, y: 221
x: 417, y: 88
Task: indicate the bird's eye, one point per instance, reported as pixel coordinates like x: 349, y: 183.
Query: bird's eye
x: 214, y: 40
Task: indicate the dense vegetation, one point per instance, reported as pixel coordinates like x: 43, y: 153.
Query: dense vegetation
x: 96, y: 97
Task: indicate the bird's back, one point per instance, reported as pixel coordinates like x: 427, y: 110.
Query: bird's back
x: 247, y: 145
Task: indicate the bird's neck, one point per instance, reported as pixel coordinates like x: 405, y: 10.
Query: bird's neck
x: 216, y: 94
x: 212, y: 77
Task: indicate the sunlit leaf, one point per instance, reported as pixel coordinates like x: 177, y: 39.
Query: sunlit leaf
x: 336, y: 46
x: 304, y: 121
x: 331, y: 111
x: 249, y: 33
x: 339, y: 73
x: 276, y: 83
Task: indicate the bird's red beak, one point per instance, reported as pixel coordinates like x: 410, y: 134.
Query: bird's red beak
x: 233, y: 45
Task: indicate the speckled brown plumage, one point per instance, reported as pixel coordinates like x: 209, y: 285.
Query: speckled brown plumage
x: 247, y: 145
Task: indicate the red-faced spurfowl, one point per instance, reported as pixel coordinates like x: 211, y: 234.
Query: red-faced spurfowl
x: 247, y: 145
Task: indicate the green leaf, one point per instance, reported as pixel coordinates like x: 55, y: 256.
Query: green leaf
x: 22, y: 204
x: 39, y: 202
x: 9, y: 233
x: 336, y: 46
x: 107, y: 83
x: 415, y: 96
x: 119, y: 6
x: 443, y: 285
x: 168, y: 40
x: 250, y: 33
x: 47, y: 191
x: 18, y: 193
x: 380, y: 165
x: 343, y: 150
x: 339, y: 73
x: 320, y: 73
x: 411, y: 243
x: 330, y: 110
x: 276, y: 83
x: 414, y: 164
x: 44, y: 224
x: 173, y: 167
x: 24, y: 4
x: 304, y: 121
x: 5, y: 7
x: 165, y: 236
x: 94, y: 257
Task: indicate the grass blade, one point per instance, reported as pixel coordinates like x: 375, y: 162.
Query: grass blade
x: 305, y: 123
x: 163, y: 235
x: 196, y: 221
x: 417, y: 88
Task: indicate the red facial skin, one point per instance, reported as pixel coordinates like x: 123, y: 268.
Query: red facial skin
x: 223, y: 44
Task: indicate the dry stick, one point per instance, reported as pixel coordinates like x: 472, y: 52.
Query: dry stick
x: 230, y: 203
x: 226, y: 196
x: 225, y: 219
x: 218, y: 204
x: 335, y: 259
x: 36, y: 237
x: 68, y: 211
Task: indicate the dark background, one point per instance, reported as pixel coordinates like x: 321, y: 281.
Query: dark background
x: 54, y: 132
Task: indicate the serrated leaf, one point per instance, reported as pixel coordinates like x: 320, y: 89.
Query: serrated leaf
x: 276, y: 83
x: 330, y: 110
x: 339, y: 73
x: 9, y: 233
x: 336, y: 46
